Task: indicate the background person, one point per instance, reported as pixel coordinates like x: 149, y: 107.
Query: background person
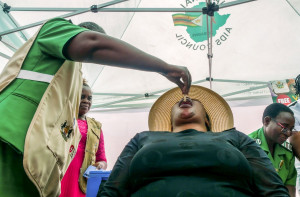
x: 40, y: 91
x: 278, y: 125
x: 295, y: 139
x: 91, y: 150
x: 195, y: 151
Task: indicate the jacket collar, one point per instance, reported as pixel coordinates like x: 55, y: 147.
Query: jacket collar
x: 264, y: 144
x: 93, y: 126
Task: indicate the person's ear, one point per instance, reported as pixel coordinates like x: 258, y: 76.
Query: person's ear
x: 267, y: 120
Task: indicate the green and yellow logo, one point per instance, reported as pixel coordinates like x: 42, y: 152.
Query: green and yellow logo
x: 196, y: 27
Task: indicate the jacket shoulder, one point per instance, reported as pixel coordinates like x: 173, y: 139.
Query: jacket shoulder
x: 255, y: 137
x: 254, y: 134
x: 94, y: 122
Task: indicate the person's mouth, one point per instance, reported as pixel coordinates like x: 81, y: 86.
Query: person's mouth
x: 186, y: 104
x: 85, y: 106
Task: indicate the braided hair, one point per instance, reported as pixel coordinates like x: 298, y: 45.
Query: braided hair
x: 297, y: 85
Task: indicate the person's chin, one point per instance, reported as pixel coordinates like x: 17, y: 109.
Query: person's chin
x: 186, y: 115
x: 281, y: 140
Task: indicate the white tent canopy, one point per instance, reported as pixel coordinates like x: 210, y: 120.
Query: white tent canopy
x: 257, y: 42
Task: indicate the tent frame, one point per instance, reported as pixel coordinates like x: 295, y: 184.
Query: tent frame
x: 102, y: 8
x: 153, y: 95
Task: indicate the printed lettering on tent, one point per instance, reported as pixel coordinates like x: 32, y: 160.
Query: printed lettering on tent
x: 196, y: 27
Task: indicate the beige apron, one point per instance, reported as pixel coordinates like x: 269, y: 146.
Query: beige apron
x: 91, y: 148
x: 53, y: 136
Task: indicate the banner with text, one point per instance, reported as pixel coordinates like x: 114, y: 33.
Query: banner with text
x: 283, y: 91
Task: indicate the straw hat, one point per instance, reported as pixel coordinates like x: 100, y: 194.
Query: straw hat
x: 216, y: 107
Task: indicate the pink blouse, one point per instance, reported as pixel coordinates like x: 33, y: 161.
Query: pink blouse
x: 83, y: 127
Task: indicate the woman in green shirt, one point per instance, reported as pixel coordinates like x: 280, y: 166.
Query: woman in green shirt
x: 278, y: 126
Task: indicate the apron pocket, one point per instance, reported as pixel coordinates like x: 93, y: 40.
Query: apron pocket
x: 64, y: 138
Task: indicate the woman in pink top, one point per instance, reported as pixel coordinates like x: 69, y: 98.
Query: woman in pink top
x: 70, y: 186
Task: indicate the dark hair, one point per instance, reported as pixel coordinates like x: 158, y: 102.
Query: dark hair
x: 92, y: 26
x: 297, y: 85
x: 274, y: 109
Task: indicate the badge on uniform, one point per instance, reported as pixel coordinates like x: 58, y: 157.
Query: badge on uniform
x: 66, y: 130
x: 280, y: 165
x: 72, y: 151
x: 258, y: 141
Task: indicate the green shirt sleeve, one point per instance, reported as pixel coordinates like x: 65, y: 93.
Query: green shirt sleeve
x: 292, y: 176
x: 55, y: 34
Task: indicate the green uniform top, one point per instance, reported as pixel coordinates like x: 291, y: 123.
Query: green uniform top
x: 19, y: 101
x: 284, y: 159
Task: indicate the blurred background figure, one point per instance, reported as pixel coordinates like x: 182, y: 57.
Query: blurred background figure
x: 295, y: 139
x: 90, y: 150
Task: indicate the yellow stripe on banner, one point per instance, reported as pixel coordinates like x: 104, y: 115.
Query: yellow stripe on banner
x: 183, y: 16
x: 184, y: 23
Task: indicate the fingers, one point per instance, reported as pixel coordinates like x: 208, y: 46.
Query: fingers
x: 101, y: 165
x: 187, y: 80
x: 180, y: 76
x: 184, y: 80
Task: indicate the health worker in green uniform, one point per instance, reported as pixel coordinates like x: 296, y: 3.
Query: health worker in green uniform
x: 278, y: 126
x: 57, y: 41
x: 295, y: 139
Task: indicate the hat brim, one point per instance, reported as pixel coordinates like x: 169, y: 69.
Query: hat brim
x: 218, y: 110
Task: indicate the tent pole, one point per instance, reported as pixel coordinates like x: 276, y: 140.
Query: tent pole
x: 224, y: 5
x: 22, y: 34
x: 100, y: 8
x: 4, y: 55
x: 245, y: 90
x: 135, y: 97
x: 80, y: 11
x: 239, y: 81
x: 209, y: 11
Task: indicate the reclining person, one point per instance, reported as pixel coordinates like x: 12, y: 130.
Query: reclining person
x: 192, y: 149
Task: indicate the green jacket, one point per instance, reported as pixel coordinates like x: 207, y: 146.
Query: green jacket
x: 284, y: 159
